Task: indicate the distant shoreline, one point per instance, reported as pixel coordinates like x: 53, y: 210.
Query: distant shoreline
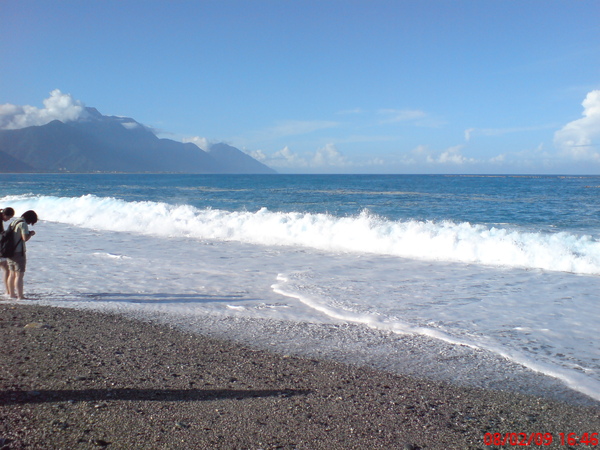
x: 466, y: 175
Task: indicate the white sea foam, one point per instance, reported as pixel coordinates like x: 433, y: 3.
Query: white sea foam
x: 365, y: 233
x: 146, y: 257
x: 543, y: 321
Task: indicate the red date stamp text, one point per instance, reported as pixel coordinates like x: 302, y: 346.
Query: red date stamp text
x: 540, y: 439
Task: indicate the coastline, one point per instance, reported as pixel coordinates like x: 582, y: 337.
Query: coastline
x: 83, y: 379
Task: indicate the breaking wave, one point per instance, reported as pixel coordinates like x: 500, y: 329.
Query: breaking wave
x: 366, y: 233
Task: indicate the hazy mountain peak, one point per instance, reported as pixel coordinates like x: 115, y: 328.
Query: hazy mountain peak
x: 92, y: 142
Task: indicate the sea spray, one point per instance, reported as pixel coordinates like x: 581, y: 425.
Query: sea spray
x: 362, y: 233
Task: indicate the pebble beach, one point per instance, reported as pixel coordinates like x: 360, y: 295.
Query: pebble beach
x: 80, y: 379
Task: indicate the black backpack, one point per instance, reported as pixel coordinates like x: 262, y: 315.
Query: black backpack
x: 7, y: 242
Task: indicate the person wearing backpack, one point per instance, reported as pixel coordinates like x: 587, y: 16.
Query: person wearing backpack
x: 5, y: 215
x: 17, y: 262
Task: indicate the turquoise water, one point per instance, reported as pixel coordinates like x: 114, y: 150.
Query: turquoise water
x: 548, y: 203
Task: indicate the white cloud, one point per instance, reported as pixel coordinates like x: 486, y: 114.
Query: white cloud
x: 131, y: 125
x: 451, y: 156
x: 259, y: 155
x: 468, y: 134
x: 401, y: 115
x: 498, y: 159
x: 201, y: 142
x: 287, y: 158
x: 327, y: 157
x: 579, y: 138
x: 58, y: 106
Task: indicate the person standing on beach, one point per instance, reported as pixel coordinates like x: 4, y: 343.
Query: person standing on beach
x: 5, y: 215
x: 17, y: 262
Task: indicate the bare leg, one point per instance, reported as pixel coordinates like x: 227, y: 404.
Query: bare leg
x: 10, y: 286
x: 5, y: 274
x: 19, y: 285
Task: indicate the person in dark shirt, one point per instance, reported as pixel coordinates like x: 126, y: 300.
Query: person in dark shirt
x: 17, y: 262
x: 5, y: 215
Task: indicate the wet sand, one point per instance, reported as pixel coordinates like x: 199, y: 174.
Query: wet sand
x: 79, y: 379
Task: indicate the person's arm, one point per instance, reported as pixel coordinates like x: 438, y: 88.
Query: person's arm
x: 25, y: 233
x: 26, y: 237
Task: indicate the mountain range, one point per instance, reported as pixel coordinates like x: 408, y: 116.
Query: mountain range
x: 98, y: 143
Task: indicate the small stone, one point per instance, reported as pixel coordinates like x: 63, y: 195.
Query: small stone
x: 59, y: 424
x: 181, y: 425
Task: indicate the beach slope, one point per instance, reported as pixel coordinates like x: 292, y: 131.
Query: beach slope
x: 80, y: 379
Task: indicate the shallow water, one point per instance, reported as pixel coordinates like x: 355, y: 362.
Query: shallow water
x: 478, y: 303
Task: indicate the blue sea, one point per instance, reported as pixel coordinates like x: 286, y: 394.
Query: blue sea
x: 489, y: 281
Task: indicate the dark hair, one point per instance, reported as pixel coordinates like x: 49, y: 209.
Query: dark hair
x: 30, y: 217
x: 8, y: 211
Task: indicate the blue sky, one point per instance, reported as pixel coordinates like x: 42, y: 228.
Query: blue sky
x: 327, y: 86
